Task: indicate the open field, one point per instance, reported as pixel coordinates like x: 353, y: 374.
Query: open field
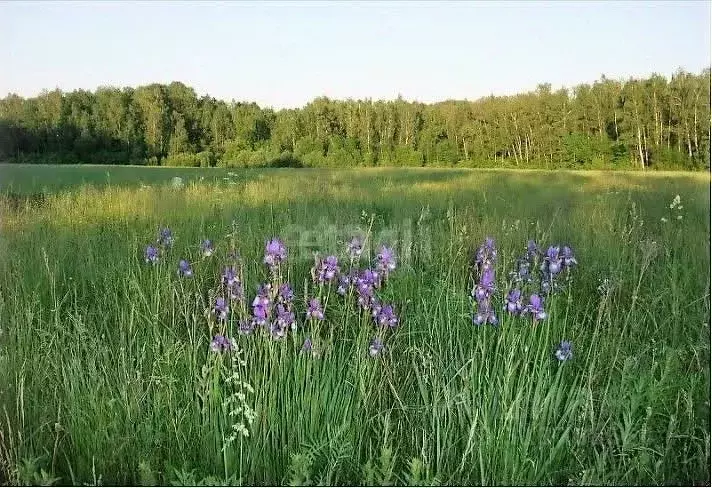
x: 107, y: 374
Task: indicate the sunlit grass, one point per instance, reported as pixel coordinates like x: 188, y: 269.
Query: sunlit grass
x: 102, y: 357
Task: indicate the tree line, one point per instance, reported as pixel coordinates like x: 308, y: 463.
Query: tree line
x: 637, y: 123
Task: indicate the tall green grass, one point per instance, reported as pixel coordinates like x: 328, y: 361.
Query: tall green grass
x: 106, y: 376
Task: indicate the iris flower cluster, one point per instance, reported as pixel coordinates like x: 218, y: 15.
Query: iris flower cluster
x: 556, y: 262
x: 535, y: 276
x: 484, y: 287
x: 325, y: 270
x: 163, y: 242
x: 364, y: 284
x: 272, y: 308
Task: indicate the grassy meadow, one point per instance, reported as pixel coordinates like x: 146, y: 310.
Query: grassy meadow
x: 107, y: 376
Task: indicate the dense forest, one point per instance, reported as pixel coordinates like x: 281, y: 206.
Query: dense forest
x: 638, y: 123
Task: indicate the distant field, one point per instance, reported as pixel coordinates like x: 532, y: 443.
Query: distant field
x: 107, y: 375
x: 23, y: 179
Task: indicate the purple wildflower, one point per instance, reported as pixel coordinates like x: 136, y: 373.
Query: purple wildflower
x: 532, y: 250
x: 165, y: 237
x: 344, y: 283
x: 277, y: 330
x: 536, y: 307
x: 375, y: 347
x: 365, y: 290
x: 366, y: 299
x: 521, y: 273
x: 184, y: 269
x: 285, y: 317
x: 568, y: 256
x: 484, y: 289
x: 486, y: 255
x: 263, y: 297
x: 307, y: 346
x: 375, y: 306
x: 220, y: 343
x: 314, y: 309
x: 285, y: 294
x: 386, y: 261
x: 355, y: 248
x: 485, y: 314
x: 370, y: 278
x: 207, y: 248
x: 229, y: 276
x: 514, y: 303
x: 552, y: 261
x: 564, y: 352
x: 246, y: 327
x: 387, y: 317
x: 151, y: 255
x: 275, y: 253
x: 324, y: 271
x: 232, y: 284
x: 235, y: 291
x: 260, y: 313
x: 221, y: 308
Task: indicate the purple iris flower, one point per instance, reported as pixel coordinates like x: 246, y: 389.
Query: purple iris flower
x: 331, y: 268
x: 275, y: 253
x: 235, y: 291
x: 229, y: 276
x: 365, y: 293
x: 486, y: 255
x: 536, y: 307
x: 246, y: 327
x: 375, y: 347
x: 387, y: 317
x: 314, y: 309
x: 485, y: 314
x: 307, y: 346
x: 564, y: 352
x: 285, y: 317
x: 514, y: 303
x: 184, y: 269
x: 232, y: 284
x: 370, y: 278
x: 220, y: 343
x: 552, y: 261
x: 521, y: 273
x: 344, y: 283
x: 355, y: 247
x: 260, y: 313
x: 207, y: 248
x: 221, y: 308
x: 277, y: 330
x: 263, y: 296
x: 151, y: 255
x: 365, y: 301
x: 568, y: 256
x: 532, y: 250
x: 285, y: 294
x: 386, y: 261
x: 485, y: 287
x: 165, y: 237
x: 375, y: 306
x: 324, y: 271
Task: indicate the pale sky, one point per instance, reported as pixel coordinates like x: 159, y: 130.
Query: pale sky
x: 284, y: 54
